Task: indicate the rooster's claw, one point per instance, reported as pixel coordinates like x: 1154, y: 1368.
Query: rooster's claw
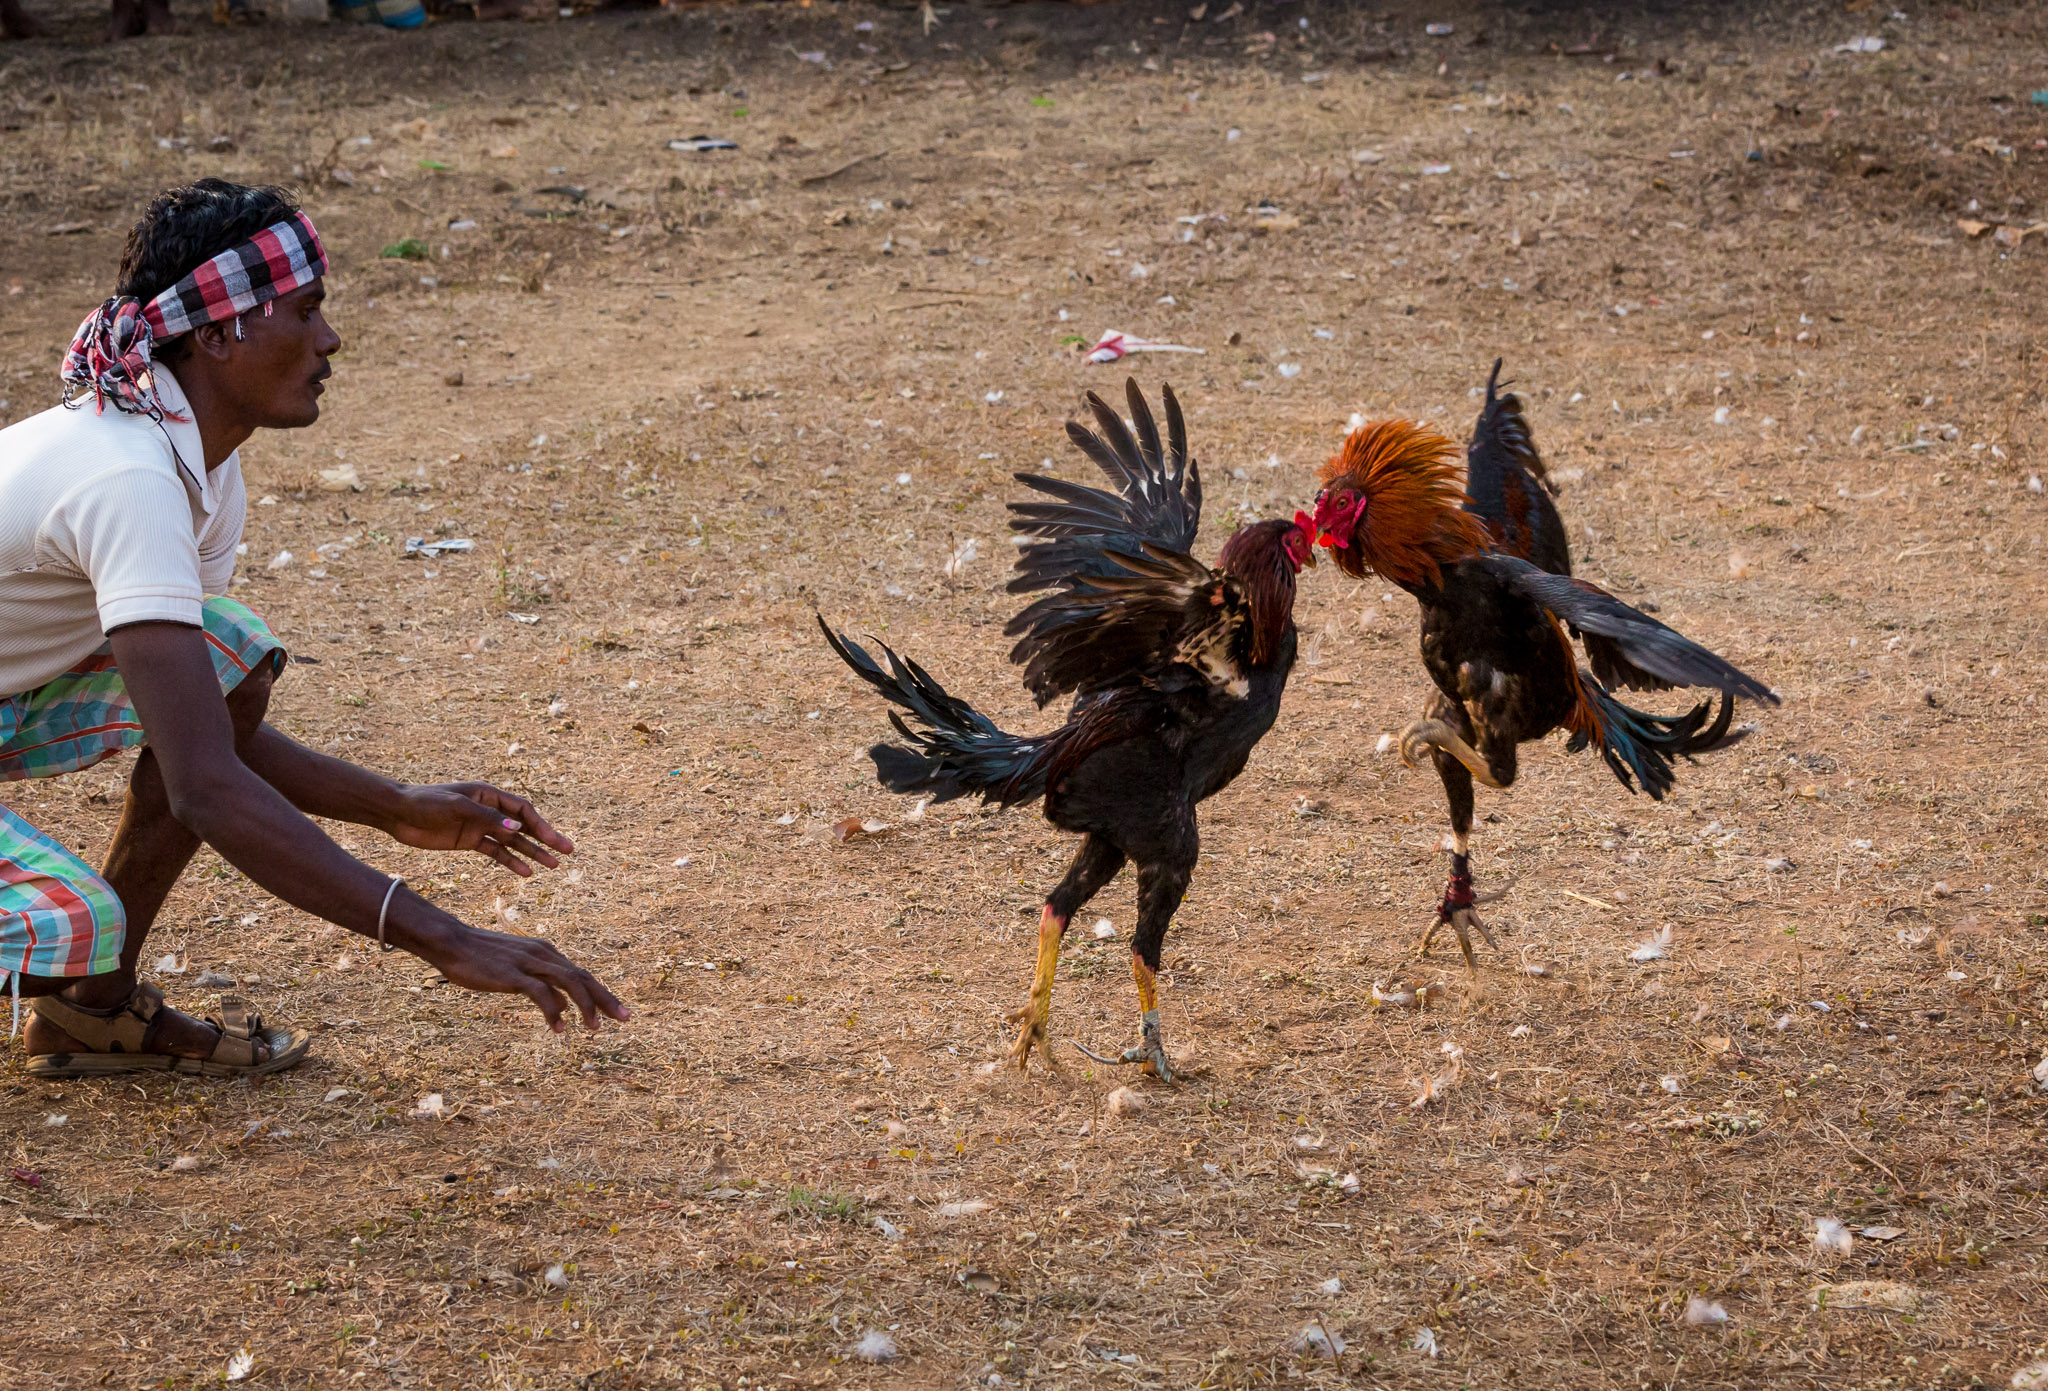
x: 1151, y: 1053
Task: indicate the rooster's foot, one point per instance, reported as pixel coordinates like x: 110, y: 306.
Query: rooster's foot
x: 1420, y: 738
x: 1030, y: 1017
x: 1150, y: 1052
x: 1457, y: 911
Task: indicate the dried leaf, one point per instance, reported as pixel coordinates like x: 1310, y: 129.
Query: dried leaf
x: 1883, y: 1233
x: 854, y: 828
x: 967, y: 1207
x: 1868, y: 1294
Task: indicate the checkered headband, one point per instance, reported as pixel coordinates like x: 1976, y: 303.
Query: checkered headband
x: 110, y: 356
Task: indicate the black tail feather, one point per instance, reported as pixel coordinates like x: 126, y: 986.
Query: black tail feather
x: 957, y: 751
x: 1639, y: 747
x: 1505, y: 430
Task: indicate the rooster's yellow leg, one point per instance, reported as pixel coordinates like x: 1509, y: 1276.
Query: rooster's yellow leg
x: 1418, y: 738
x: 1032, y: 1014
x: 1151, y: 1050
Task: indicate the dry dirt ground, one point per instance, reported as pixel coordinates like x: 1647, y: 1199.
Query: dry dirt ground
x: 1796, y: 403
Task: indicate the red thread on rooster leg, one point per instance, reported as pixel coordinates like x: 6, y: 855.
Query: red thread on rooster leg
x: 1458, y: 892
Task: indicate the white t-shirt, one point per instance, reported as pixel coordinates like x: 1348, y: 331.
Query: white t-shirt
x: 107, y: 518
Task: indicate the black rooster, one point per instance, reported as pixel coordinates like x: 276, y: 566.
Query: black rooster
x: 1176, y: 671
x: 1491, y: 568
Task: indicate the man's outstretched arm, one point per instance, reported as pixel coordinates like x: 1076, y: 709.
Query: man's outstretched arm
x: 449, y: 816
x: 257, y: 829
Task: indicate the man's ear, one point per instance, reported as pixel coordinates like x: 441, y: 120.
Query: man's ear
x: 215, y: 340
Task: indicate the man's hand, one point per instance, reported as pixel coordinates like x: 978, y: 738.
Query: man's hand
x: 476, y: 816
x: 501, y: 962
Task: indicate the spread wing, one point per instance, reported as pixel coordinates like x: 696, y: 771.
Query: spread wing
x: 1151, y: 616
x: 1157, y: 497
x: 1624, y: 646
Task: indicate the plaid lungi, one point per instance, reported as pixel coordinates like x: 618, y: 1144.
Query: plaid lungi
x: 57, y: 916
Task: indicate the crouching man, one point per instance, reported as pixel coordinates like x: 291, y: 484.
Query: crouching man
x: 120, y: 512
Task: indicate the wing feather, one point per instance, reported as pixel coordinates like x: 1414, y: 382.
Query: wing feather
x: 1157, y: 497
x: 1156, y: 612
x: 1625, y: 646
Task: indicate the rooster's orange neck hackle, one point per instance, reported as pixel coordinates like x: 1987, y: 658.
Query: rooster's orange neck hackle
x: 1393, y: 503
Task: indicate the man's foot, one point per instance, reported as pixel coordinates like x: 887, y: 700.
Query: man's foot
x: 140, y: 1034
x: 169, y: 1032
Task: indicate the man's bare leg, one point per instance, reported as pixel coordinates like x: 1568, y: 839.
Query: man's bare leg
x: 16, y: 23
x: 149, y: 851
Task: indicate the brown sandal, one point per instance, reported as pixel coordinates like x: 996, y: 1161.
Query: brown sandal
x: 119, y: 1040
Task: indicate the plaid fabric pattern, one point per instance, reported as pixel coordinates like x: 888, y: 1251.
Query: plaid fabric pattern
x: 281, y: 258
x: 85, y: 715
x: 58, y: 917
x: 110, y: 354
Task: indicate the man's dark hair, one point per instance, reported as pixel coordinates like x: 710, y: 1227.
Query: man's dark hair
x: 184, y: 228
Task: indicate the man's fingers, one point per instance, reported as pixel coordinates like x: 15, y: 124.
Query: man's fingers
x: 542, y: 995
x: 491, y: 850
x: 524, y: 812
x: 525, y: 847
x: 591, y: 997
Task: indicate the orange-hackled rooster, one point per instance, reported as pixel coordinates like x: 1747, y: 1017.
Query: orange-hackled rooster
x: 1489, y: 563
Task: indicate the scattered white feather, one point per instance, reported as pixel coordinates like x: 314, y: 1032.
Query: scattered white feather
x: 2041, y: 1073
x: 1125, y: 1102
x: 1701, y: 1312
x: 430, y: 1107
x: 1777, y: 866
x: 1333, y: 1285
x: 172, y: 965
x: 557, y: 1277
x: 51, y: 1122
x: 967, y: 1207
x: 1425, y: 1342
x: 557, y: 708
x: 1656, y: 948
x: 875, y: 1346
x: 187, y: 1163
x: 334, y: 1094
x: 1104, y: 929
x: 1316, y: 1339
x: 1670, y: 1082
x: 1519, y: 1031
x: 1831, y: 1238
x: 889, y: 1230
x: 2032, y: 1377
x: 1386, y: 742
x: 240, y: 1365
